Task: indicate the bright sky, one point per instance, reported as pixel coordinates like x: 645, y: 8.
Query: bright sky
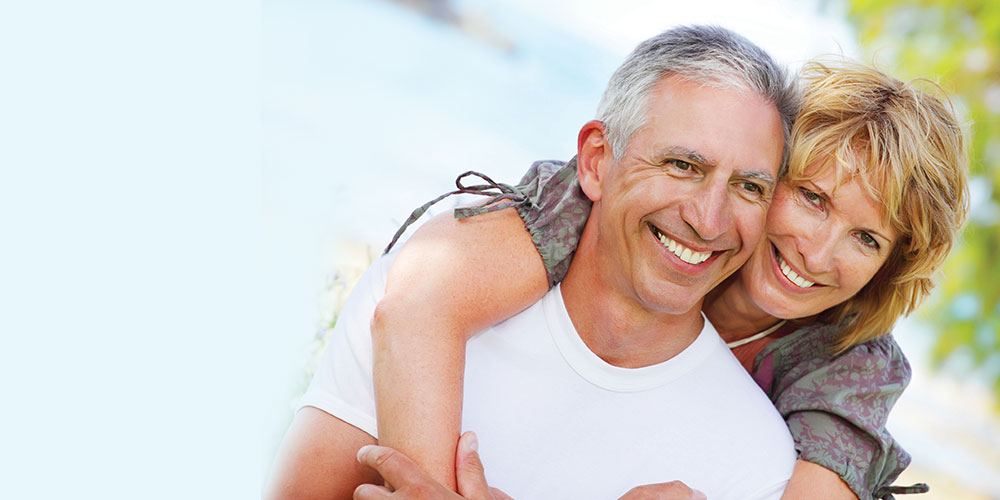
x: 790, y: 31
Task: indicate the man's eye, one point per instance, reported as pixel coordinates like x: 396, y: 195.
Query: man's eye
x: 681, y: 165
x: 752, y: 187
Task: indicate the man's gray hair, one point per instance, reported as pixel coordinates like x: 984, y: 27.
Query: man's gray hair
x: 710, y: 55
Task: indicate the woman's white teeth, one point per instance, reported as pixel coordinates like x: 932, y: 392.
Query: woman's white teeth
x: 684, y: 253
x: 792, y: 275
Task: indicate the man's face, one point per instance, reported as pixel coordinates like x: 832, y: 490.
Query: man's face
x: 685, y: 206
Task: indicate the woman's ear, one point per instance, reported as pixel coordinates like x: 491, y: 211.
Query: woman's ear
x: 593, y: 158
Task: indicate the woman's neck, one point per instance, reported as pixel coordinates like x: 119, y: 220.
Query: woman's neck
x: 733, y: 312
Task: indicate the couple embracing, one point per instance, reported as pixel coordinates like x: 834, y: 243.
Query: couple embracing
x: 699, y: 301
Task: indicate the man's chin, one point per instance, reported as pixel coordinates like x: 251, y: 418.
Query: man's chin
x: 672, y: 299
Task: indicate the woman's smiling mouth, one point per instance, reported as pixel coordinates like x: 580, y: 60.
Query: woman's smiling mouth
x: 790, y: 273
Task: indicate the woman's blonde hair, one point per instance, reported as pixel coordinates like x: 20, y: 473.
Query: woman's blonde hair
x: 905, y: 145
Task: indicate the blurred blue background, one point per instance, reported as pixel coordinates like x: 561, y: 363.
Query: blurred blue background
x: 373, y: 107
x: 190, y: 187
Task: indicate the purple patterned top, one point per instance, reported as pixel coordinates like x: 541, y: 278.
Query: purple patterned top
x: 836, y: 406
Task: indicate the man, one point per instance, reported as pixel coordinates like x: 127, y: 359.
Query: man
x: 614, y: 379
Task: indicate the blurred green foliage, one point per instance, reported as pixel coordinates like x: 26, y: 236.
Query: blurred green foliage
x: 957, y: 43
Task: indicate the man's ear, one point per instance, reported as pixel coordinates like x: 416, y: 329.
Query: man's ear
x: 593, y: 158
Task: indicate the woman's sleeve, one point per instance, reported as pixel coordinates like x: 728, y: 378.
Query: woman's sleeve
x: 551, y: 204
x: 555, y: 212
x: 836, y: 407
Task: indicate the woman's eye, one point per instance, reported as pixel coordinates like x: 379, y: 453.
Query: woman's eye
x: 867, y: 240
x: 811, y: 197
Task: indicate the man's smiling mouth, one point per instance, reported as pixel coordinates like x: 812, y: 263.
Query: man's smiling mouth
x: 682, y: 252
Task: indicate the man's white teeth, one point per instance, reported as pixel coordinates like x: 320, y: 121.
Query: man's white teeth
x: 684, y: 253
x: 792, y: 275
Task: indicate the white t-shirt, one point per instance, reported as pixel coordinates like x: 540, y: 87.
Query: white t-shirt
x: 556, y: 421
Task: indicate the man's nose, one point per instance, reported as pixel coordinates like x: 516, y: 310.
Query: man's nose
x: 710, y: 214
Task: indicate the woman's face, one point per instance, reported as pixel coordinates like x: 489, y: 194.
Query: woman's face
x: 820, y: 248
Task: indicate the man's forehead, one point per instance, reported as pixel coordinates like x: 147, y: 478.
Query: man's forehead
x: 671, y: 101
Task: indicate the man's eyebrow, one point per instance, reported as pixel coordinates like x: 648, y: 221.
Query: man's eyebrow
x: 756, y: 175
x: 689, y: 154
x: 700, y: 159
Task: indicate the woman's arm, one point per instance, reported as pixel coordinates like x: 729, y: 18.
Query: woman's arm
x: 836, y: 407
x: 815, y: 482
x: 453, y: 278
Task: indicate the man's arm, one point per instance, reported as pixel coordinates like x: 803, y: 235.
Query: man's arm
x: 317, y: 459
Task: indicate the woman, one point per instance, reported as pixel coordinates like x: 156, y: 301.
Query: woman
x: 875, y: 194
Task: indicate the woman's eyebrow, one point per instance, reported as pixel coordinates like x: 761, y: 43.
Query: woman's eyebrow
x: 888, y: 241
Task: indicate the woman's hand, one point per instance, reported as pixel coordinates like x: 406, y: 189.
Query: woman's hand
x: 674, y: 490
x: 411, y: 482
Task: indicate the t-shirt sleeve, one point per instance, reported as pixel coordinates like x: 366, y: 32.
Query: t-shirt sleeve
x: 555, y: 213
x: 342, y: 384
x: 836, y: 407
